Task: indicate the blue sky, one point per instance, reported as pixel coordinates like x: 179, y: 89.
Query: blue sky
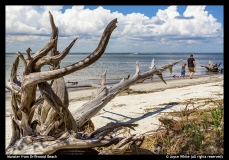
x: 150, y: 10
x: 139, y: 28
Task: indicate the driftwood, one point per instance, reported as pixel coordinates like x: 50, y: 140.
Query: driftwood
x: 213, y: 67
x: 73, y: 83
x: 43, y: 124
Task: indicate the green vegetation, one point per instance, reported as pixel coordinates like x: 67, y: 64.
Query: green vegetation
x: 198, y: 132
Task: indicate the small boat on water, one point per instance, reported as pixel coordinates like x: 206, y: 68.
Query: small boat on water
x: 135, y: 53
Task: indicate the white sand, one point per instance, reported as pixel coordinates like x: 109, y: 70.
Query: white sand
x: 144, y: 109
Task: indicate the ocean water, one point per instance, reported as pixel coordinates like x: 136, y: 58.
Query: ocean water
x: 119, y: 65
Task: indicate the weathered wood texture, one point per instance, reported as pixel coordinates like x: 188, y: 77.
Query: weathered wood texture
x: 213, y: 67
x: 44, y: 124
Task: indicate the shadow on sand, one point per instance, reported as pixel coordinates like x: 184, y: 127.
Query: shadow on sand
x: 132, y: 120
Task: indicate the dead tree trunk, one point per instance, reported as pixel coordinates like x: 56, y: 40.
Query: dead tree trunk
x: 213, y: 67
x: 44, y: 125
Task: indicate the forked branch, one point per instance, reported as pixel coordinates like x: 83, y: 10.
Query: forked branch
x: 87, y: 111
x: 44, y: 125
x: 35, y: 78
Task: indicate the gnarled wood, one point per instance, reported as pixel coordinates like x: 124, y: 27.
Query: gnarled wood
x: 213, y: 67
x: 44, y: 124
x: 49, y: 144
x: 38, y: 77
x: 87, y: 111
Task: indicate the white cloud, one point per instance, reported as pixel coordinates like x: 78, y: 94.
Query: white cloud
x: 166, y: 28
x: 154, y: 20
x: 52, y: 8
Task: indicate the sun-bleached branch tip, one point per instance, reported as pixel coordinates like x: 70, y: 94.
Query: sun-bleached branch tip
x: 152, y: 64
x: 137, y: 68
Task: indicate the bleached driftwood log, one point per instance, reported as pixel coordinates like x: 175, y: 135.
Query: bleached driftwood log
x: 44, y: 124
x: 213, y: 67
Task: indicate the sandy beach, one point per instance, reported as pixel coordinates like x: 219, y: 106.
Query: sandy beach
x: 146, y: 102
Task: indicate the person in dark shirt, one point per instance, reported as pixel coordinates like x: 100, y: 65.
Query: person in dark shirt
x: 182, y: 70
x: 191, y: 66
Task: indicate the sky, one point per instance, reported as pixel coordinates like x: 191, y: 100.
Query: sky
x: 140, y: 29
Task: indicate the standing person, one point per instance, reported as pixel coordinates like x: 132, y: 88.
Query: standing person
x: 182, y: 70
x: 191, y: 66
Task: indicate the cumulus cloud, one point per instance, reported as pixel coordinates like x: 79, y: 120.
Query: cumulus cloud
x: 154, y: 20
x: 169, y: 26
x: 52, y: 8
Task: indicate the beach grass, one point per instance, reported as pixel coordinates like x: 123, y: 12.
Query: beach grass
x: 200, y: 132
